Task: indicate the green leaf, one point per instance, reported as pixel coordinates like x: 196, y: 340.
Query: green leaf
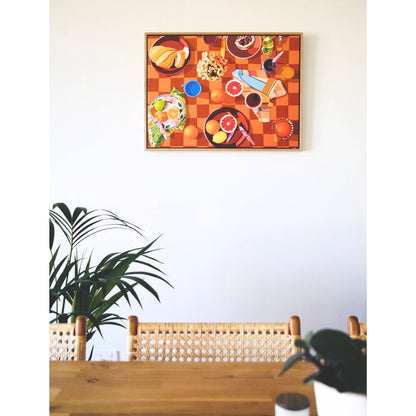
x: 146, y: 285
x: 61, y: 222
x: 300, y: 343
x: 334, y: 346
x: 77, y: 212
x: 150, y: 275
x: 91, y: 353
x: 328, y: 376
x: 151, y: 266
x: 291, y: 361
x: 360, y: 344
x: 84, y: 289
x: 127, y: 224
x: 51, y: 234
x: 64, y: 209
x: 86, y: 229
x: 353, y: 375
x: 59, y: 276
x: 312, y: 377
x: 308, y: 337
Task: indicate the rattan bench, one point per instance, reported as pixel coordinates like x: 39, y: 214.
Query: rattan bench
x: 211, y: 341
x: 356, y: 329
x: 68, y: 341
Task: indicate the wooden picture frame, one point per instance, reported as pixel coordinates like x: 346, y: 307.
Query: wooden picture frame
x: 212, y: 91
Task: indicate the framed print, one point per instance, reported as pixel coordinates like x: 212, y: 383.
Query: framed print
x: 223, y: 91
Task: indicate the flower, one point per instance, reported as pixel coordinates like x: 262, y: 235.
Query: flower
x: 211, y: 66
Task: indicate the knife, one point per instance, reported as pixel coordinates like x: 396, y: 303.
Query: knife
x: 243, y: 130
x: 244, y: 136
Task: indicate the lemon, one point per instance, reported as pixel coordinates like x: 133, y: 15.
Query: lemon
x: 219, y: 137
x: 159, y: 105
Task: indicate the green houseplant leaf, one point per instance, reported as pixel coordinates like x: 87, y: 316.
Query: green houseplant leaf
x: 291, y: 361
x: 334, y: 346
x: 340, y: 360
x: 78, y: 287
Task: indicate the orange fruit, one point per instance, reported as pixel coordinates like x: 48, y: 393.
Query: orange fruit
x: 173, y: 113
x: 190, y: 132
x: 217, y: 95
x: 283, y: 128
x: 161, y: 117
x: 212, y: 126
x: 286, y: 73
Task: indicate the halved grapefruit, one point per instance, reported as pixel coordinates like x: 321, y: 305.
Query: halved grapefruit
x: 228, y: 123
x: 234, y: 88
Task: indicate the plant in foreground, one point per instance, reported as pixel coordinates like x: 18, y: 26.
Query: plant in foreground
x: 77, y: 287
x: 341, y: 361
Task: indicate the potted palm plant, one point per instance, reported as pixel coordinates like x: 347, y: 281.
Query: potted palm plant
x: 340, y: 382
x: 79, y: 287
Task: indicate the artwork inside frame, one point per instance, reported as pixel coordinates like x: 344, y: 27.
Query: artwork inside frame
x: 223, y: 91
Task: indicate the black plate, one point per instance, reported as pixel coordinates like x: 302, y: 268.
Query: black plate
x: 241, y: 119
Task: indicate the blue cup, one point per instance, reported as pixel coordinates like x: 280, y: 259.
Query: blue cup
x: 192, y: 88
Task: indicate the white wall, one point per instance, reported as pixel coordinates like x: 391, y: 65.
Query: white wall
x: 247, y: 236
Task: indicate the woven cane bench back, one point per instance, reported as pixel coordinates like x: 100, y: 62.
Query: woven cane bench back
x: 67, y: 341
x: 211, y: 341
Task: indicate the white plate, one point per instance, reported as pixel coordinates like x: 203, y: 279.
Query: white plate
x: 171, y: 101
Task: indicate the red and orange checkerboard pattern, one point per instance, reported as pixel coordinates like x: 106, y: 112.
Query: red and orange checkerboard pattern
x: 199, y: 108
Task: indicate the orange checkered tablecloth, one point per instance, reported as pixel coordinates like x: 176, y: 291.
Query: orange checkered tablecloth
x: 200, y: 107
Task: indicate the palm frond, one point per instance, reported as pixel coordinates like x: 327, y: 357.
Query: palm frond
x: 94, y: 290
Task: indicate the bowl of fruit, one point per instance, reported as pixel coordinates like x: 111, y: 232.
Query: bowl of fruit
x: 226, y: 127
x: 167, y: 110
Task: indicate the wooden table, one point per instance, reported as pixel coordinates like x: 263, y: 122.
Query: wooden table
x: 166, y: 388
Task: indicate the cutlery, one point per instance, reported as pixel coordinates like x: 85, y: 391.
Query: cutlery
x: 244, y: 136
x: 245, y: 133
